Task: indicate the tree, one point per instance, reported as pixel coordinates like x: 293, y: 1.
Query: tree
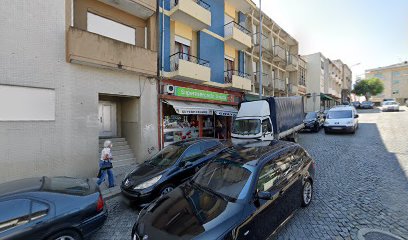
x: 368, y: 87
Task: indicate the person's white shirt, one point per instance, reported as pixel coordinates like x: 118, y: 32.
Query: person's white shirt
x: 106, y: 151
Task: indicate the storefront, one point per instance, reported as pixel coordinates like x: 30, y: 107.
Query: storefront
x: 192, y: 111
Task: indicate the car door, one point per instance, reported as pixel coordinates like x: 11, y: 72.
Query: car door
x: 267, y: 214
x: 187, y: 164
x: 14, y: 217
x: 293, y: 187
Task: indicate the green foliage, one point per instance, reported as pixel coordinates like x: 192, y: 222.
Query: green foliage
x: 368, y: 87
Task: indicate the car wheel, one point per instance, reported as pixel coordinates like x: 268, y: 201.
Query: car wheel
x: 326, y: 131
x: 166, y: 189
x: 307, y: 193
x: 66, y: 235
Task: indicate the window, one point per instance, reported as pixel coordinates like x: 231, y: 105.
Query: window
x: 193, y: 153
x: 266, y: 126
x: 111, y: 29
x: 14, y: 213
x: 182, y: 46
x: 302, y: 76
x: 228, y: 69
x: 268, y: 177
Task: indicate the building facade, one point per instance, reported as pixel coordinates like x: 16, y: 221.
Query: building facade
x: 395, y: 79
x: 328, y: 82
x: 74, y: 72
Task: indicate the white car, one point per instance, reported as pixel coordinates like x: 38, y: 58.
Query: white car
x: 341, y: 119
x: 390, y: 106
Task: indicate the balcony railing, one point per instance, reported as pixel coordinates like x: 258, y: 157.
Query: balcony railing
x: 174, y: 60
x: 229, y: 73
x: 229, y: 29
x: 293, y: 88
x: 279, y: 53
x: 280, y: 84
x: 292, y: 63
x: 266, y: 79
x: 201, y: 3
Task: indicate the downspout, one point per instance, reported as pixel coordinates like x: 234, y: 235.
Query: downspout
x: 158, y: 73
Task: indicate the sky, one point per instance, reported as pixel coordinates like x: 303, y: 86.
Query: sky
x: 373, y: 33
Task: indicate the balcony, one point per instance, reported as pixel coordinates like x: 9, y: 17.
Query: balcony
x: 293, y: 89
x: 140, y: 8
x: 237, y: 36
x: 88, y: 48
x: 189, y: 68
x: 266, y: 45
x: 279, y: 54
x: 237, y: 80
x: 280, y: 84
x: 293, y: 63
x: 194, y: 13
x: 242, y: 5
x: 265, y: 79
x: 302, y: 89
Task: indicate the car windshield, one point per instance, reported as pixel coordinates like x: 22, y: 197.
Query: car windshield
x: 311, y: 115
x: 339, y: 114
x: 168, y: 155
x: 246, y: 126
x: 223, y: 177
x: 366, y: 102
x: 390, y: 103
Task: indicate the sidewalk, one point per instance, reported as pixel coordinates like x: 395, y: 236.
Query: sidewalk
x: 119, y: 173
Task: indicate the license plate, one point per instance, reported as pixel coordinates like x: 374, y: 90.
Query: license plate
x: 337, y: 128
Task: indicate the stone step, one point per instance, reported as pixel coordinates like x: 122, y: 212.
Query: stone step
x: 119, y: 152
x: 115, y: 144
x: 113, y: 140
x: 117, y: 148
x: 123, y: 156
x: 123, y: 162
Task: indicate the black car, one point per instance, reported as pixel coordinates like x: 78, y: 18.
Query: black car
x: 313, y: 121
x: 167, y: 169
x: 50, y: 208
x: 246, y: 192
x: 356, y: 104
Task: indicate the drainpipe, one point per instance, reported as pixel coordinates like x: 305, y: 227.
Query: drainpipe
x: 159, y: 64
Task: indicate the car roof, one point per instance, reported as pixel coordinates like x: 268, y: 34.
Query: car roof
x: 21, y: 186
x: 253, y: 152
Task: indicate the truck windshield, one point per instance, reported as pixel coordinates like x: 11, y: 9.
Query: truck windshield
x: 246, y: 126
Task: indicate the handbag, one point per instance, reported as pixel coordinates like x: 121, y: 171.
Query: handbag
x: 106, y: 165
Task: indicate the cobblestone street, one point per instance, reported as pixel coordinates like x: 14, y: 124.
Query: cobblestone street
x: 361, y: 182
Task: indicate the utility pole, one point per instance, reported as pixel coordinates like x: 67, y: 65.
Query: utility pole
x: 260, y: 49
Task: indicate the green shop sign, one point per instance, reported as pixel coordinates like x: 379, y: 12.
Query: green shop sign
x: 201, y: 94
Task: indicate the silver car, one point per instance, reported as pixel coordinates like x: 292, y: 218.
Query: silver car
x: 390, y: 106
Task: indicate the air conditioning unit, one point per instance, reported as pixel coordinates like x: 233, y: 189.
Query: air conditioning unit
x: 169, y: 89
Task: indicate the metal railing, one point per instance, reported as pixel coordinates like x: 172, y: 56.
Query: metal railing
x: 266, y: 79
x: 229, y: 29
x: 293, y: 88
x: 279, y: 51
x: 266, y: 43
x: 174, y: 60
x: 201, y: 3
x: 229, y: 73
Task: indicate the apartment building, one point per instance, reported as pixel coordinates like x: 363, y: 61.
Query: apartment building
x: 395, y: 79
x: 203, y: 67
x: 75, y: 71
x: 281, y: 68
x: 328, y: 82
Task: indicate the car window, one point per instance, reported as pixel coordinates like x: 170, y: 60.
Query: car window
x: 14, y: 213
x: 339, y: 114
x: 266, y: 126
x: 193, y: 153
x: 268, y: 177
x: 209, y: 147
x: 67, y: 185
x: 38, y: 210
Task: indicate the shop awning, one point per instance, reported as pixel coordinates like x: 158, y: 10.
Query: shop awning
x: 324, y: 97
x: 194, y: 108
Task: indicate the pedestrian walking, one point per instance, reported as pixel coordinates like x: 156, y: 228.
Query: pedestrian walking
x: 105, y: 164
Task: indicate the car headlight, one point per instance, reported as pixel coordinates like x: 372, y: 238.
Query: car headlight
x: 349, y: 122
x: 148, y: 183
x: 326, y: 122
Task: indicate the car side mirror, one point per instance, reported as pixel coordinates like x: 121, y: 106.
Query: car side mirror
x: 264, y: 195
x: 356, y: 116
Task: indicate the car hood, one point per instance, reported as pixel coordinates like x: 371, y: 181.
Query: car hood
x: 189, y: 212
x: 142, y: 173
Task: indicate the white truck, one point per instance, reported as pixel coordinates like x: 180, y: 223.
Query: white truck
x: 268, y: 119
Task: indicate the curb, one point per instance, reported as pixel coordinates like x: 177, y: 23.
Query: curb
x: 110, y: 193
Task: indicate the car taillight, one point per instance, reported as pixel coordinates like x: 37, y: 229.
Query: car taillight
x: 99, y: 204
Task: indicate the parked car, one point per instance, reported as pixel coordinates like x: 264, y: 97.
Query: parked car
x: 313, y: 121
x: 390, y: 106
x: 367, y: 105
x: 50, y: 208
x: 247, y: 192
x: 356, y: 104
x: 170, y: 167
x: 341, y: 119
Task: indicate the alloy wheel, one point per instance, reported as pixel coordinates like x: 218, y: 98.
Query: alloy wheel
x: 307, y: 192
x: 65, y: 238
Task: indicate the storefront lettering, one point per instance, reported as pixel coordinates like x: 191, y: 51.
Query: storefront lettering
x: 201, y: 94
